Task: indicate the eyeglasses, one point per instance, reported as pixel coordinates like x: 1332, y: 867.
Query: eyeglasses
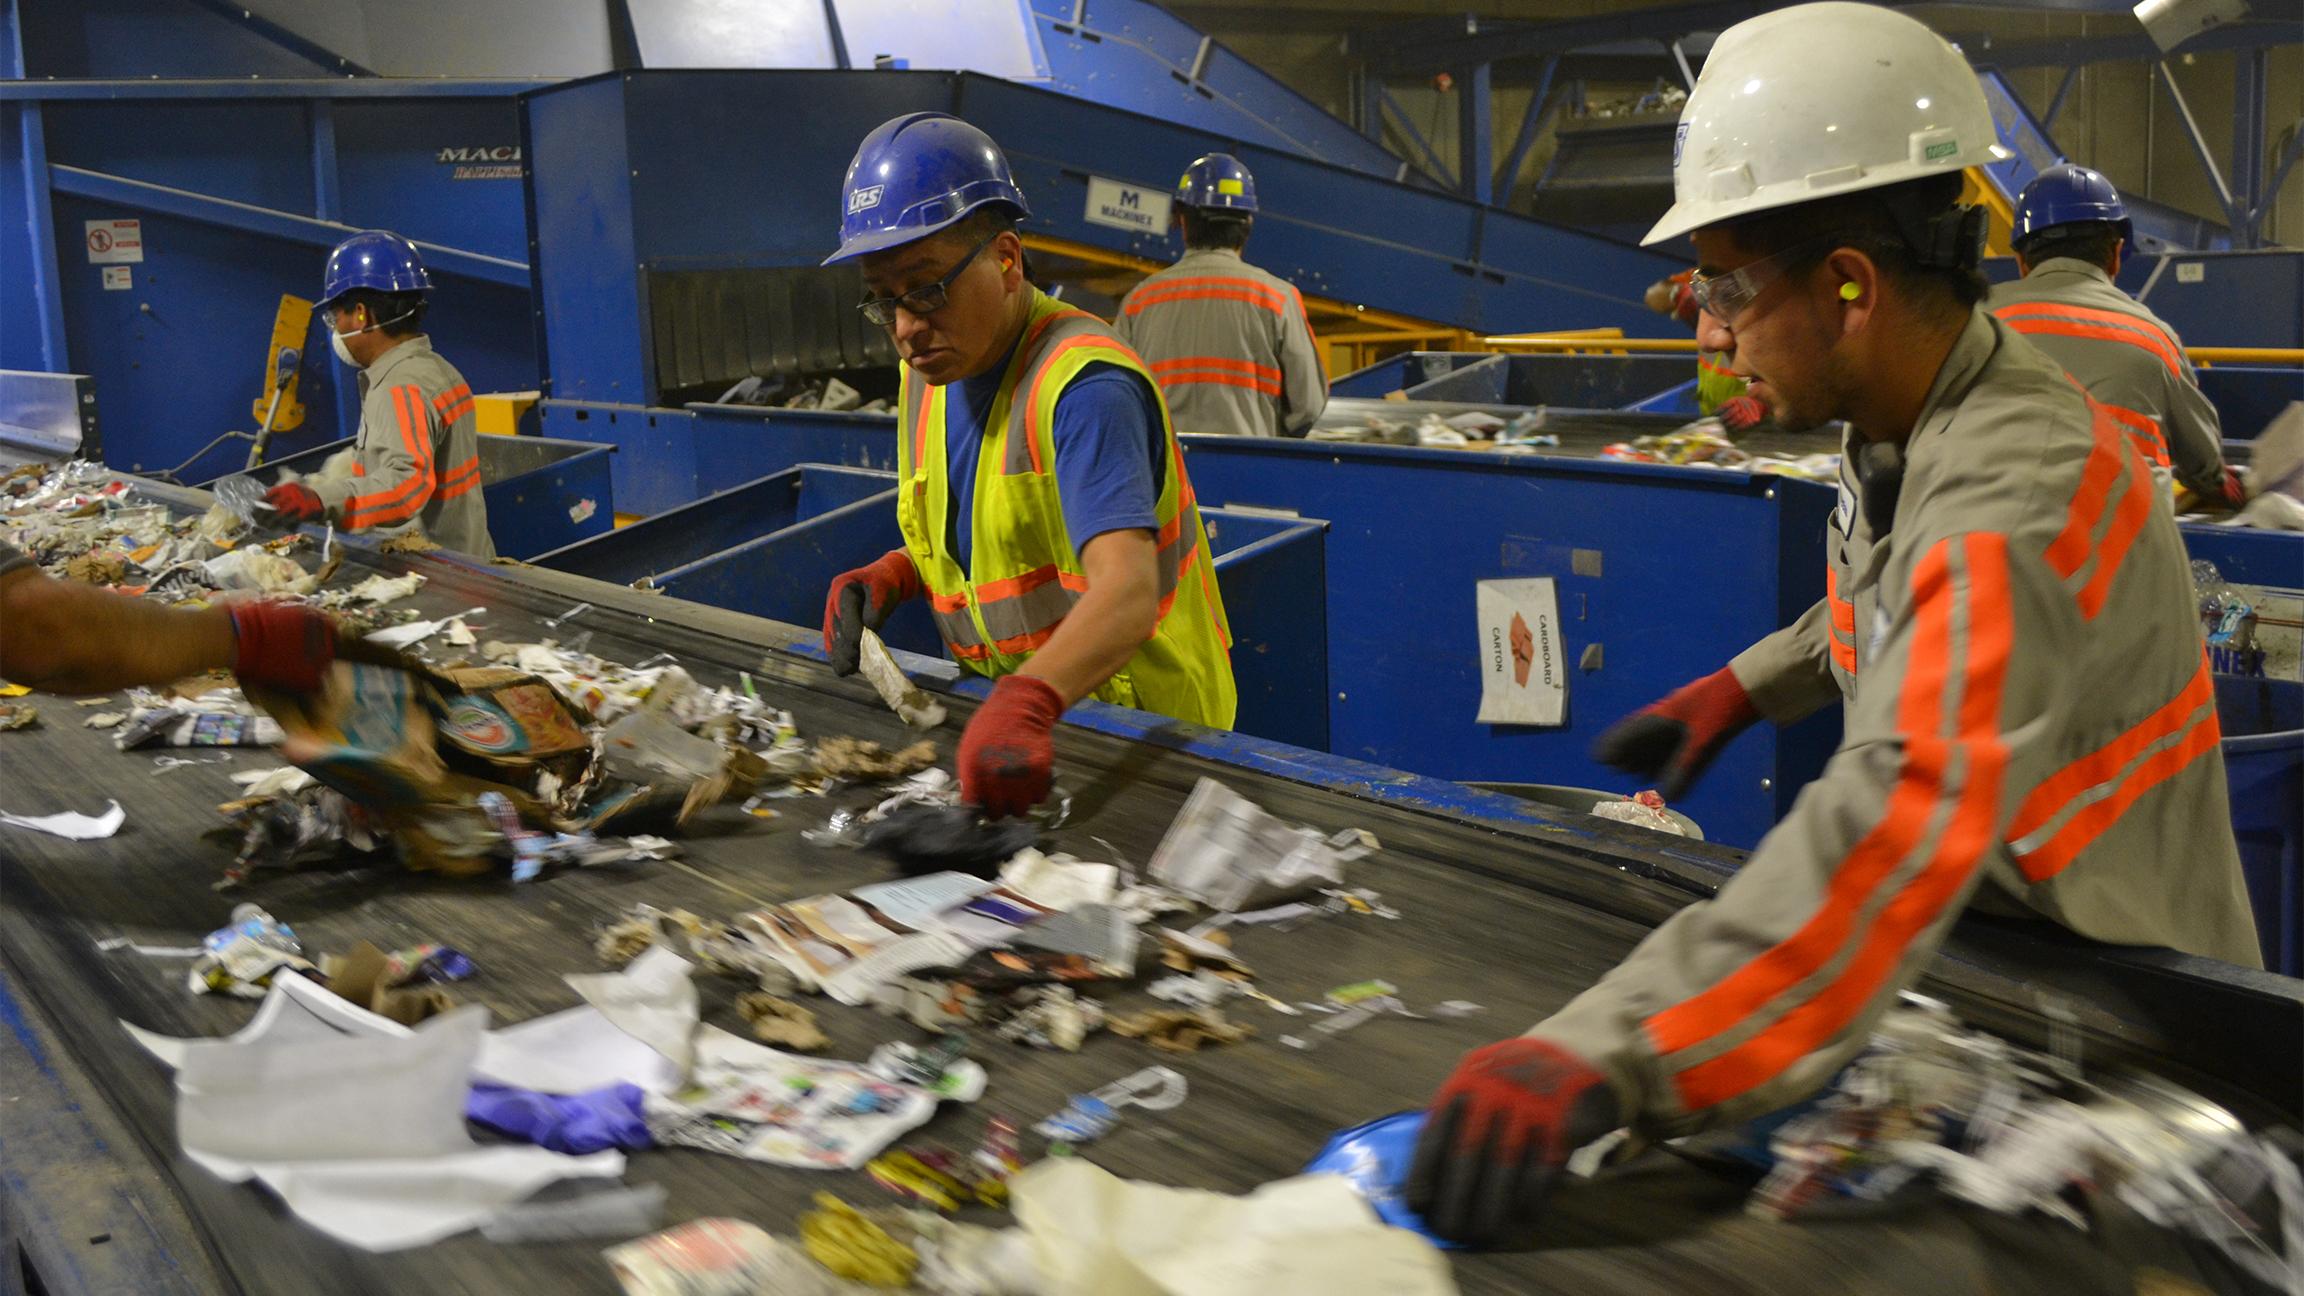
x: 924, y: 300
x: 1726, y: 296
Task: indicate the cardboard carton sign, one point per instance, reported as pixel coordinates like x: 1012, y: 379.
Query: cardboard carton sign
x: 1523, y: 661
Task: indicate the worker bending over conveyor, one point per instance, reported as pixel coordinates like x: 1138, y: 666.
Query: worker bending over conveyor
x: 2030, y: 722
x: 416, y: 464
x: 66, y: 637
x: 2070, y: 229
x: 1230, y: 343
x: 1042, y: 496
x: 1719, y: 393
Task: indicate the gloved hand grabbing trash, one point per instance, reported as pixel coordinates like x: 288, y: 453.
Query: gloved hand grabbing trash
x: 1742, y: 413
x: 1673, y: 740
x: 1008, y: 753
x: 284, y: 646
x: 295, y: 502
x: 1501, y: 1130
x: 862, y: 600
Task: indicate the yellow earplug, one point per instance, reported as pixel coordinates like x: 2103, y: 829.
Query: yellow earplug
x: 1850, y: 292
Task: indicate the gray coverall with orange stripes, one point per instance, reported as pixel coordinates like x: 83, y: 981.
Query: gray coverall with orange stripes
x: 2031, y: 727
x: 2126, y: 357
x: 416, y: 465
x: 1230, y: 345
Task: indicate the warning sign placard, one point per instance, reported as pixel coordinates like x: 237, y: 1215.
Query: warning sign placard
x: 115, y: 242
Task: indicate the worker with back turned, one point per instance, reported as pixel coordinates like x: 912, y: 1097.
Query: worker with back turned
x: 1042, y: 496
x: 415, y: 467
x: 2030, y: 722
x: 1230, y: 343
x: 2070, y: 229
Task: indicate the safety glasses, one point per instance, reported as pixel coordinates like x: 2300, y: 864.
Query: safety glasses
x: 924, y: 300
x: 1726, y: 296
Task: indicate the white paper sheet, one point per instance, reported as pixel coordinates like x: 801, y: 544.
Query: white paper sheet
x: 652, y: 1000
x: 1523, y: 662
x: 1059, y: 883
x: 572, y: 1052
x: 1093, y: 1232
x: 74, y: 827
x: 359, y: 1131
x: 915, y: 902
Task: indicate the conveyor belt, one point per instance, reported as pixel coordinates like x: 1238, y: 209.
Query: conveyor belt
x: 1583, y: 433
x: 1517, y: 917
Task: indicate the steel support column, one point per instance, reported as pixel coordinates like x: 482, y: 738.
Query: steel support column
x: 2063, y: 91
x: 327, y: 196
x: 2232, y: 213
x: 1531, y: 124
x: 2250, y: 108
x: 1475, y: 147
x: 1432, y: 159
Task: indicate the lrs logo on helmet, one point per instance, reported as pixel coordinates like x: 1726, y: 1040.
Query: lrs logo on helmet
x: 869, y: 196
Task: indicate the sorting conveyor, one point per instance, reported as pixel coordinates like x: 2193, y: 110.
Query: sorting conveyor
x: 1502, y: 903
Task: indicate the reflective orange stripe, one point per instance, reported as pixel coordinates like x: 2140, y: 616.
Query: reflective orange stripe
x: 405, y: 500
x: 1843, y: 622
x: 461, y: 479
x: 1921, y: 786
x: 1217, y: 362
x: 453, y: 403
x: 994, y: 591
x: 2083, y: 322
x: 2111, y: 457
x: 2145, y: 431
x: 1188, y: 378
x: 2191, y: 712
x: 1208, y: 288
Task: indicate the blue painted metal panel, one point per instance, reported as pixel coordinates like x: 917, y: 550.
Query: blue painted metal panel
x: 1132, y: 54
x: 584, y: 259
x: 1273, y: 574
x: 2247, y: 397
x: 438, y: 171
x: 723, y: 520
x: 566, y: 499
x: 2227, y: 298
x: 32, y: 333
x: 783, y: 575
x: 256, y: 153
x: 152, y: 38
x: 655, y: 465
x: 2249, y: 556
x: 1402, y: 671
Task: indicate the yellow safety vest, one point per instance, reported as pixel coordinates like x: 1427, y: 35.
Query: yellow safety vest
x: 1024, y: 573
x: 1715, y: 384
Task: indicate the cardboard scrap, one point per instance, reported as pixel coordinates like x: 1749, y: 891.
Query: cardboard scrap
x: 361, y: 978
x: 17, y: 715
x: 781, y: 1022
x: 1180, y: 1030
x: 859, y: 760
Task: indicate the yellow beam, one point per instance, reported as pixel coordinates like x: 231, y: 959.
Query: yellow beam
x: 2246, y: 355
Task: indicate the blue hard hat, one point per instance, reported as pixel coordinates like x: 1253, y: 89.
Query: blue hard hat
x: 1218, y: 180
x: 2065, y: 194
x: 917, y: 174
x: 379, y: 260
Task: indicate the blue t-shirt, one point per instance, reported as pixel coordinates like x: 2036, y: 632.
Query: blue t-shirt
x: 1110, y: 465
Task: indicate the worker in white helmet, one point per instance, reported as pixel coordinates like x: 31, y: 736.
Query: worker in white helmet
x: 2030, y: 724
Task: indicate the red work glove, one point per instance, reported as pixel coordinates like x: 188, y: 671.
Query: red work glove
x: 862, y: 599
x: 2232, y: 492
x: 1673, y: 740
x: 1500, y: 1131
x: 1684, y: 308
x: 283, y: 646
x: 295, y: 502
x: 1007, y: 754
x: 1742, y: 413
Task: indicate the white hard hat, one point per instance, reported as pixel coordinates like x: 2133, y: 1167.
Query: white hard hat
x: 1819, y: 100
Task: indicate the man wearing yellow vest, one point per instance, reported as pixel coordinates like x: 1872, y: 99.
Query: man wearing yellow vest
x: 1043, y: 500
